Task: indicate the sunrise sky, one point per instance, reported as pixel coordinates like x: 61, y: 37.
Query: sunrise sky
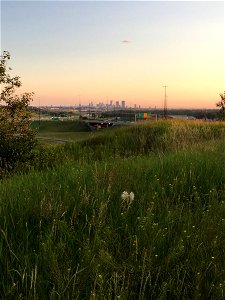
x: 68, y: 52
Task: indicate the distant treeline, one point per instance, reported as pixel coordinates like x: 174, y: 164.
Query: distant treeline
x: 198, y: 114
x: 129, y: 114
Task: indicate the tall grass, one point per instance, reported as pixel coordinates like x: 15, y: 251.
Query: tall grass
x: 67, y: 234
x: 146, y: 139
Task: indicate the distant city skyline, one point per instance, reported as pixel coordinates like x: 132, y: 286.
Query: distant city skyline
x: 71, y: 52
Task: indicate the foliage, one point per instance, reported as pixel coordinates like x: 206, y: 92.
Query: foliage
x: 16, y: 136
x: 221, y: 105
x: 145, y: 139
x: 66, y: 233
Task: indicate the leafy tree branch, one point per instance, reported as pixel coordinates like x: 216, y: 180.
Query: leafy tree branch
x: 16, y: 136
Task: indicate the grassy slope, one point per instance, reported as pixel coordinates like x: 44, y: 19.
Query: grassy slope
x: 66, y: 233
x: 72, y: 131
x: 60, y: 126
x: 63, y: 130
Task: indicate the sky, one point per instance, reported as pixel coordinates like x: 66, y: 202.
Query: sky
x: 77, y: 52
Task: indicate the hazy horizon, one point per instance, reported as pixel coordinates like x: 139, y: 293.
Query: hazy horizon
x: 71, y: 52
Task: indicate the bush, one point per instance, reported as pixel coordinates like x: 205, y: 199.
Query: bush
x: 16, y: 136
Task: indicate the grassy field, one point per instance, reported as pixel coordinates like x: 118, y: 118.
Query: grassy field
x: 67, y: 136
x: 67, y: 131
x: 68, y: 231
x: 59, y: 126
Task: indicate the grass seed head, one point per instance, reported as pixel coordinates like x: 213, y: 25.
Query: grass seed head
x: 127, y: 199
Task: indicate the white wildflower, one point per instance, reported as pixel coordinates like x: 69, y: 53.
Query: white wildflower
x: 131, y: 196
x: 127, y: 198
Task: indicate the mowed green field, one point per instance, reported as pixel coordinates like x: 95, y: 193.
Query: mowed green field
x: 66, y: 131
x: 66, y: 136
x: 131, y: 213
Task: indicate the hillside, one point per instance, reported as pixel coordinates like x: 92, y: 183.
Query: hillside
x: 68, y: 230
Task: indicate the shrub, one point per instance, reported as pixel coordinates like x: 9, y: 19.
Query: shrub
x: 16, y: 136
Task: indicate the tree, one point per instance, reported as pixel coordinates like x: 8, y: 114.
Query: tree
x: 221, y: 105
x: 16, y: 136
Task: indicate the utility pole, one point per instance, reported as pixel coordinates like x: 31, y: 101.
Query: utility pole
x: 165, y: 103
x: 39, y: 112
x: 79, y: 106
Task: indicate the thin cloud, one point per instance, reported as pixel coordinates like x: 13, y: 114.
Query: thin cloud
x: 125, y: 41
